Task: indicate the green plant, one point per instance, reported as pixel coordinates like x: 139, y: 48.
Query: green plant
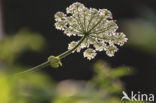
x: 26, y: 88
x: 104, y: 87
x: 95, y: 27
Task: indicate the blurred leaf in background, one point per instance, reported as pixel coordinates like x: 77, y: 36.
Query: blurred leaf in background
x: 104, y: 87
x: 141, y: 31
x: 11, y: 47
x: 107, y: 78
x: 27, y: 88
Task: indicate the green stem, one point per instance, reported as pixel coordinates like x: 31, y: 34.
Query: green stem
x: 60, y: 57
x: 70, y: 51
x: 35, y: 68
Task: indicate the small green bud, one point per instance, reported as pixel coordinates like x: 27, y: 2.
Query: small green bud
x: 55, y: 62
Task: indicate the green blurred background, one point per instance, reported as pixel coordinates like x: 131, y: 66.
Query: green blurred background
x: 28, y: 37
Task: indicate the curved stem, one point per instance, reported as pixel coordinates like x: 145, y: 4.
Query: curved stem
x: 35, y: 68
x: 60, y: 57
x: 70, y: 51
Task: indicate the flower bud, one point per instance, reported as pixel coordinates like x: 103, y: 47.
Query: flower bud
x: 54, y: 62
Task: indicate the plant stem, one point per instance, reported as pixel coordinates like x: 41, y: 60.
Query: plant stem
x: 70, y: 51
x: 61, y: 56
x: 35, y: 68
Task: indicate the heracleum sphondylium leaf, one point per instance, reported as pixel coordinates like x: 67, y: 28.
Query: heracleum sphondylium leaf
x: 96, y: 24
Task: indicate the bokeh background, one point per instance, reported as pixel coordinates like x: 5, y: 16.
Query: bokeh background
x: 34, y: 20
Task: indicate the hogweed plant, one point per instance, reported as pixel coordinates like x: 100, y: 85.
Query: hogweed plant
x: 96, y: 28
